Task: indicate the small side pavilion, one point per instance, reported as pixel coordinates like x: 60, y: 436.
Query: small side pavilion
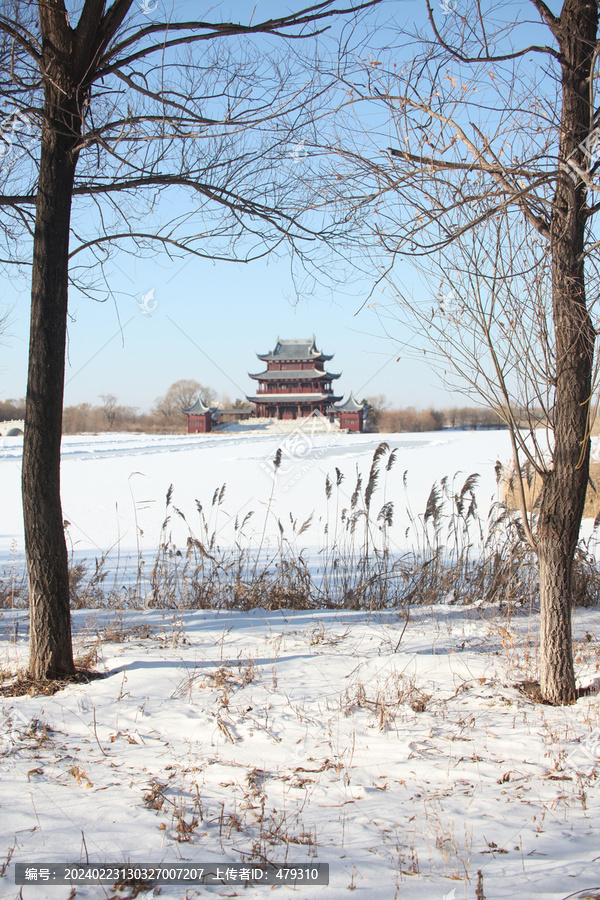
x: 350, y: 414
x: 199, y: 418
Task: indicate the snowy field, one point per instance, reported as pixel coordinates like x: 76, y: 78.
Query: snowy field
x: 399, y: 752
x: 114, y: 486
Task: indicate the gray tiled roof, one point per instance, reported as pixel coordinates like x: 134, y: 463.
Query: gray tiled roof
x: 350, y: 405
x: 293, y: 374
x: 197, y: 409
x: 294, y: 348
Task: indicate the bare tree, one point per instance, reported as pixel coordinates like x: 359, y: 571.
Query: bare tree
x: 181, y: 395
x: 130, y: 107
x: 76, y: 419
x: 489, y: 184
x: 377, y: 404
x: 109, y: 408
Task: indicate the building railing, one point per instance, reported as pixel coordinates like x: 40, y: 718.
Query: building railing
x: 287, y: 388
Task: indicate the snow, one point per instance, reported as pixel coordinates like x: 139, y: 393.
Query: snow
x: 406, y: 759
x: 110, y: 482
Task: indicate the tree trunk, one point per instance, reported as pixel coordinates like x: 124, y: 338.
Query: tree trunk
x: 50, y: 647
x: 564, y: 487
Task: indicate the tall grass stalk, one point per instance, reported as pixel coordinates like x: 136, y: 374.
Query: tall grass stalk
x: 454, y: 555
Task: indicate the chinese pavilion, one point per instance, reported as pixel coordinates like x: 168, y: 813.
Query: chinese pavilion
x: 351, y: 414
x: 295, y: 383
x: 199, y: 418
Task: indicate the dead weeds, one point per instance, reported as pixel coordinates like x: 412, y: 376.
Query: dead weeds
x: 23, y: 685
x: 533, y: 692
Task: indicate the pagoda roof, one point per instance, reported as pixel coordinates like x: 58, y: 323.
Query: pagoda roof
x: 295, y: 374
x: 294, y: 348
x: 350, y: 405
x: 197, y: 409
x: 293, y: 398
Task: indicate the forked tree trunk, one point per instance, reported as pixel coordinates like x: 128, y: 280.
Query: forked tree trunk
x: 564, y: 488
x: 50, y: 647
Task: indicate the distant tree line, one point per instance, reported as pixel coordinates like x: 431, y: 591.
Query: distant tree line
x: 166, y: 416
x: 110, y: 415
x: 12, y: 409
x: 411, y: 419
x: 384, y: 419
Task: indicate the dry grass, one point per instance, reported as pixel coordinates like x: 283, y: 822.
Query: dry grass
x: 21, y: 685
x: 586, y: 571
x: 455, y: 556
x: 532, y: 486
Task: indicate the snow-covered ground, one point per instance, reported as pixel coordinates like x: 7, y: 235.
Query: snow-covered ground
x: 404, y: 757
x: 114, y: 486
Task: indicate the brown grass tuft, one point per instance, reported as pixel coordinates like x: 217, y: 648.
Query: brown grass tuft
x: 532, y: 486
x: 23, y: 686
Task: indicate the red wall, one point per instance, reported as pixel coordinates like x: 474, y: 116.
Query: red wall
x: 199, y: 424
x: 351, y: 421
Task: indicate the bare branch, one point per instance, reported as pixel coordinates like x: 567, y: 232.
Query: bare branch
x: 486, y: 57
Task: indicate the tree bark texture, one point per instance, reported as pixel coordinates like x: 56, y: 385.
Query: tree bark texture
x: 68, y: 65
x: 564, y: 486
x: 50, y: 646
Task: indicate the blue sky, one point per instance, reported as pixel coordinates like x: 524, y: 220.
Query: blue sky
x: 207, y: 322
